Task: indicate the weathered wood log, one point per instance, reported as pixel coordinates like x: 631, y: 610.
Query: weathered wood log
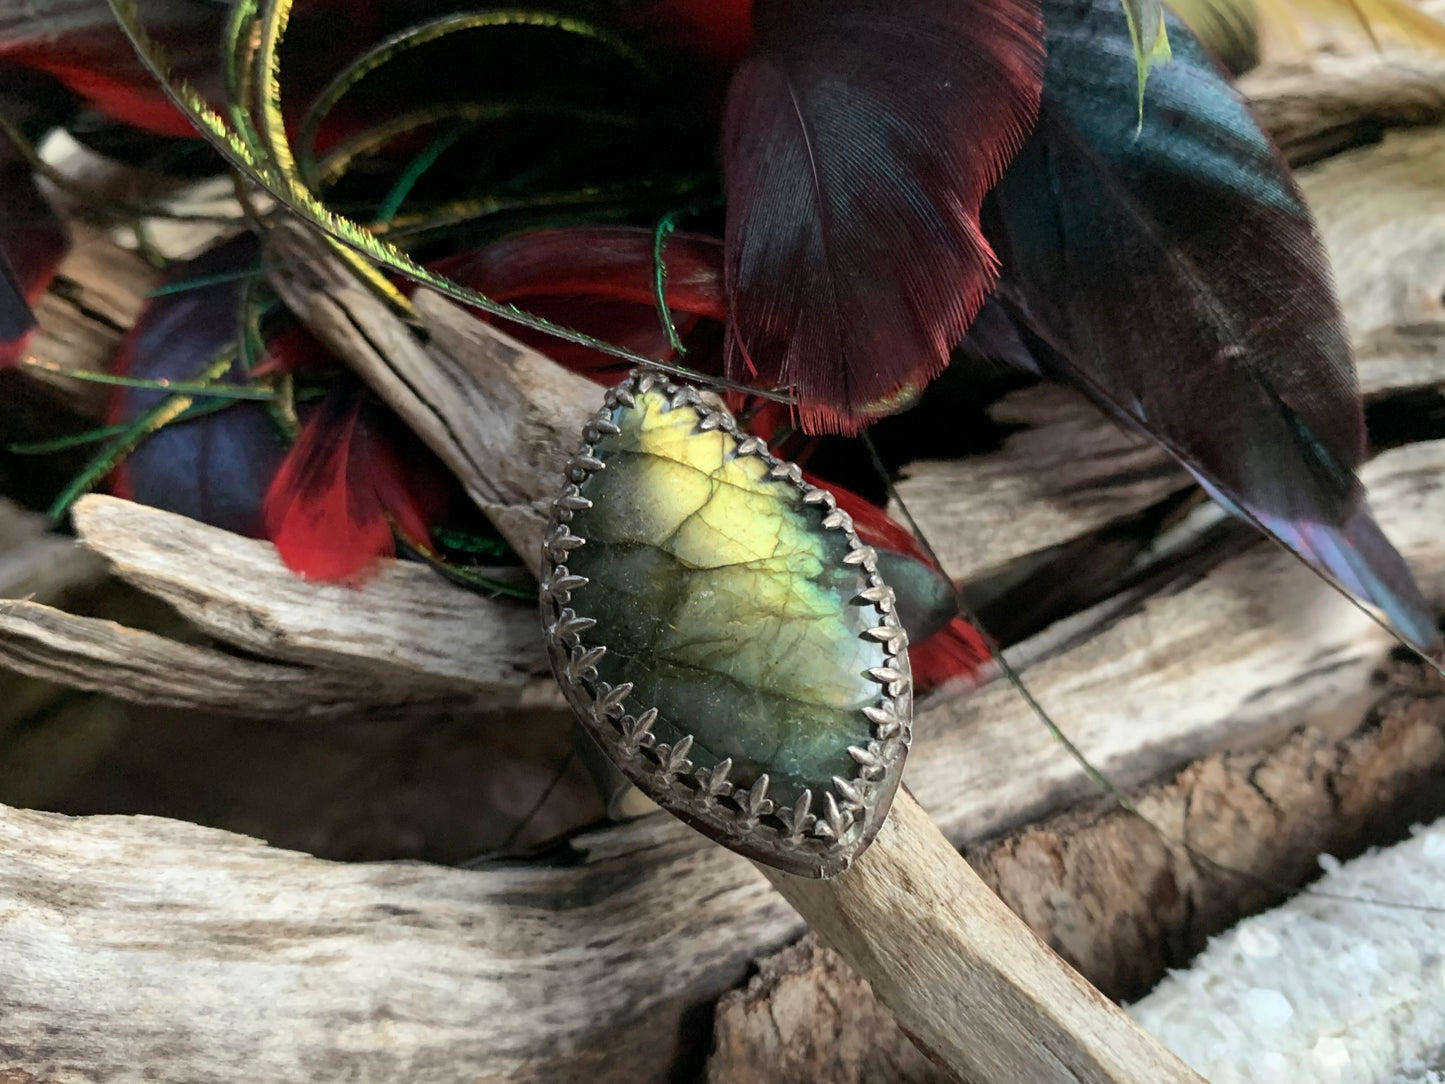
x: 549, y: 971
x: 1114, y: 897
x: 404, y: 625
x: 1330, y: 103
x: 970, y: 984
x: 99, y: 291
x: 107, y: 657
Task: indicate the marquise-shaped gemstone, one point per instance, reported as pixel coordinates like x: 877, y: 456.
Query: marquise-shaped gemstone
x: 748, y: 621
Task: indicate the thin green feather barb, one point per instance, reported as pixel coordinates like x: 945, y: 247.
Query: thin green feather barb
x: 304, y: 204
x: 1150, y: 37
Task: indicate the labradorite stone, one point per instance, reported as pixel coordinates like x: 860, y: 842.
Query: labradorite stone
x: 721, y: 597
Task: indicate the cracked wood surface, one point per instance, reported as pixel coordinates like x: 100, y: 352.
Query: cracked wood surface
x: 208, y: 956
x: 195, y: 945
x: 1117, y: 900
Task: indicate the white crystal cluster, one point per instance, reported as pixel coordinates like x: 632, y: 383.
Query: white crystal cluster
x: 1323, y: 989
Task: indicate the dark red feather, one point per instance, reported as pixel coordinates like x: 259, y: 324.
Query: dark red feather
x: 599, y: 280
x: 718, y: 30
x: 943, y: 648
x: 81, y: 44
x: 859, y: 141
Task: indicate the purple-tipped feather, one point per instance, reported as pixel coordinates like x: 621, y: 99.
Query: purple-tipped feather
x: 214, y: 468
x: 1168, y: 267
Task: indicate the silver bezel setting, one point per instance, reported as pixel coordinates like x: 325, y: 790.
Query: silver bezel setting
x: 818, y: 835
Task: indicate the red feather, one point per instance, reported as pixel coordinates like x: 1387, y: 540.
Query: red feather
x: 718, y: 30
x: 599, y: 280
x: 954, y: 653
x: 331, y: 506
x: 859, y: 141
x: 135, y: 99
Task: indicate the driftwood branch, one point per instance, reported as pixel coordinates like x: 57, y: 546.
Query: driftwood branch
x: 547, y: 971
x: 403, y: 625
x: 1115, y: 898
x: 107, y: 657
x: 208, y: 956
x: 970, y: 984
x: 1332, y: 103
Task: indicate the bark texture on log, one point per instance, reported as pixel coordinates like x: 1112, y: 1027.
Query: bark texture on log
x: 140, y: 945
x: 969, y: 983
x: 1114, y: 897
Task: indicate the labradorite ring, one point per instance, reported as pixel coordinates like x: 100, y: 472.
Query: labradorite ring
x: 722, y: 632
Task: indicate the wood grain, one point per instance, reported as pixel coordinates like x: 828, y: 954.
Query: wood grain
x: 971, y: 985
x: 132, y: 664
x: 405, y: 623
x: 195, y: 945
x: 1326, y: 104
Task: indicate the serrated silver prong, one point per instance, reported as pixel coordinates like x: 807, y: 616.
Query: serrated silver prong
x: 569, y: 625
x: 847, y: 791
x: 789, y: 471
x: 610, y: 698
x: 573, y: 501
x: 751, y: 446
x: 637, y: 730
x: 583, y: 660
x: 717, y: 785
x: 674, y: 760
x: 881, y: 596
x: 886, y: 721
x: 838, y: 519
x: 559, y: 587
x: 866, y: 758
x: 861, y: 555
x: 885, y: 634
x: 837, y: 820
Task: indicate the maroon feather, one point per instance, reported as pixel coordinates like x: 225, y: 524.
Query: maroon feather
x: 859, y: 140
x: 600, y: 280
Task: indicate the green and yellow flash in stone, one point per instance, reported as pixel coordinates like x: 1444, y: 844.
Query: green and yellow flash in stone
x: 724, y: 634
